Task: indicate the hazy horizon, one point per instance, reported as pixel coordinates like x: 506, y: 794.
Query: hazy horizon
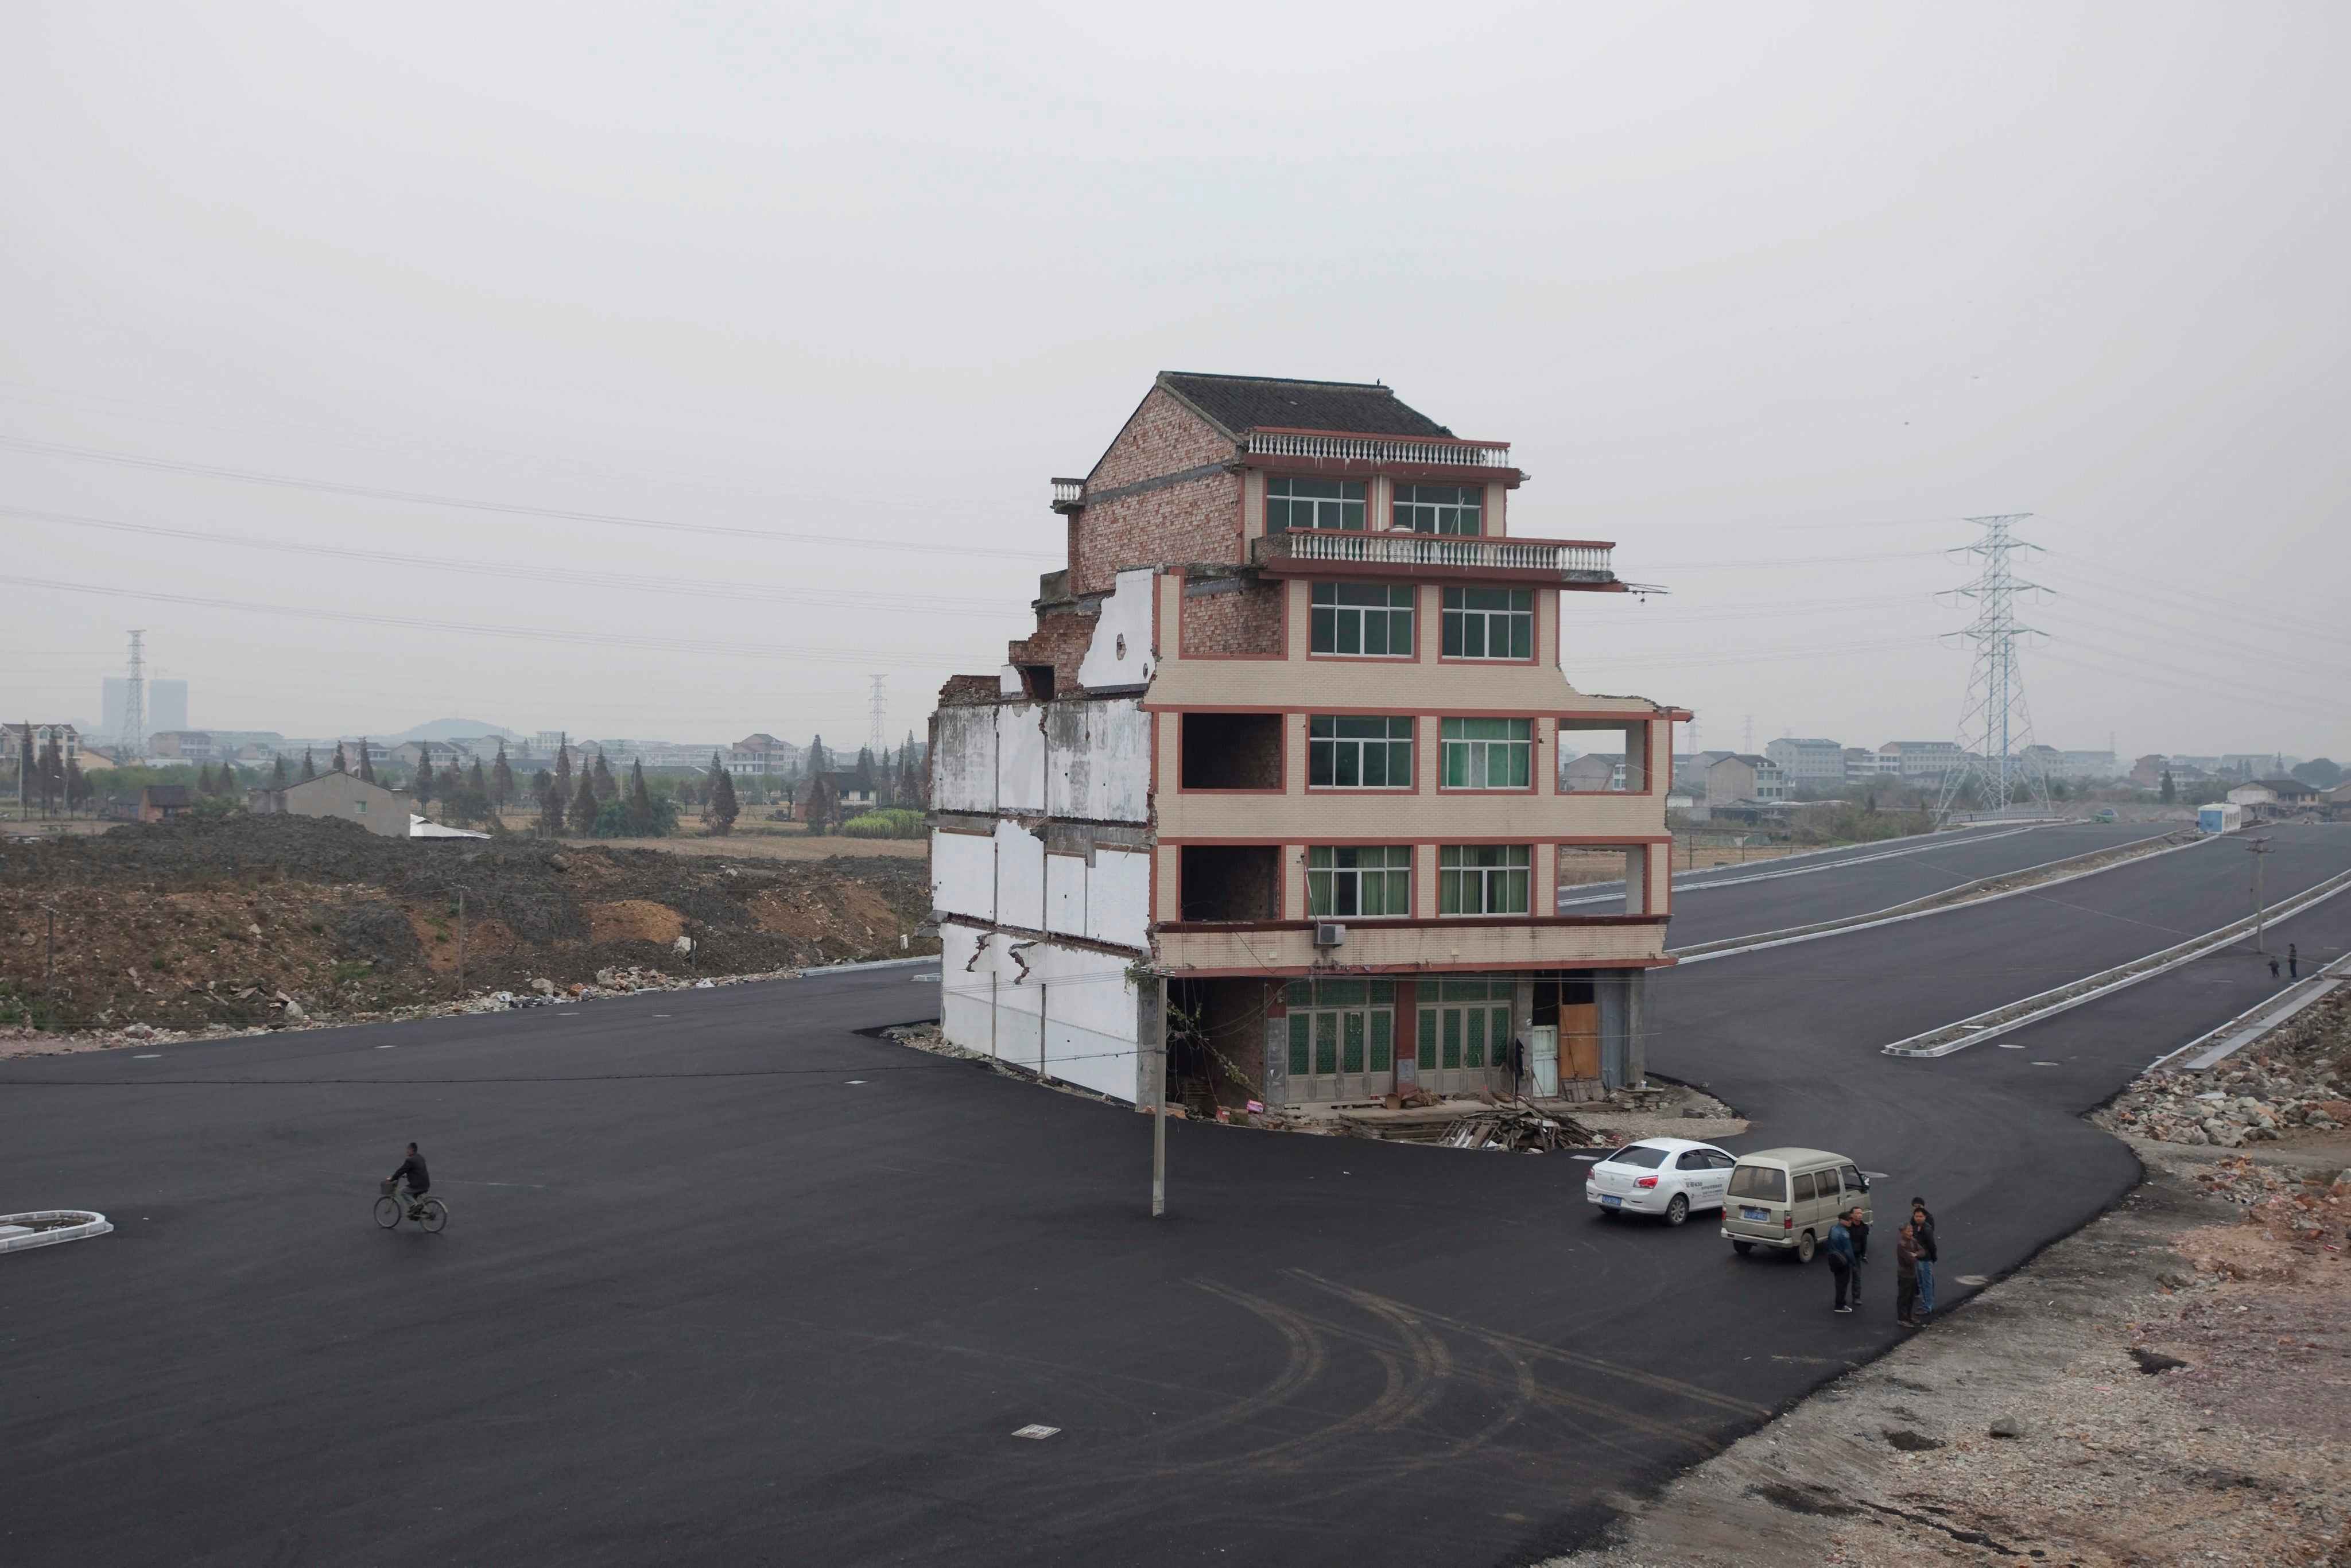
x: 580, y: 369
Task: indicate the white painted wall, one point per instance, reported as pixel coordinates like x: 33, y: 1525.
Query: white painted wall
x: 1118, y: 897
x: 1020, y: 877
x: 1100, y: 766
x: 1065, y: 894
x: 1019, y: 757
x: 1060, y: 1010
x: 1121, y: 656
x: 963, y: 874
x: 963, y: 776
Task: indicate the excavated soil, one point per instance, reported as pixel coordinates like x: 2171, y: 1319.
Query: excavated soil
x: 194, y: 924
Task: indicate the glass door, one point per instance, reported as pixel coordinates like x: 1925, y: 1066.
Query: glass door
x: 1464, y: 1038
x: 1341, y: 1039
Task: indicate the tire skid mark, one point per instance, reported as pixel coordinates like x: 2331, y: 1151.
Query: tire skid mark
x: 1432, y: 1361
x: 1574, y: 1358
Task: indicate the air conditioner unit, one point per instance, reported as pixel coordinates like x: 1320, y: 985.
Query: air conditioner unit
x: 1329, y: 933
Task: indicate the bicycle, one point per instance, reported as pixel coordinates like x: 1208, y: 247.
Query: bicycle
x: 430, y: 1212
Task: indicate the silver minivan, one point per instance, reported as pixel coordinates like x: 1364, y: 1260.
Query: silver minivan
x: 1788, y: 1199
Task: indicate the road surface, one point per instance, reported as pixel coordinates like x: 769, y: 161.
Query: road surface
x: 727, y: 1280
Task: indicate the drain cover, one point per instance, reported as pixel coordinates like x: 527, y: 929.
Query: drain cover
x: 1034, y: 1430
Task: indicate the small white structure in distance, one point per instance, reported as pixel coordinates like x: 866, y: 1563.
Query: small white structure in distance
x: 419, y: 828
x: 2221, y: 817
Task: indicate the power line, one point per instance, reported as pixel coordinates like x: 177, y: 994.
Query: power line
x: 511, y: 509
x: 592, y: 639
x: 629, y: 580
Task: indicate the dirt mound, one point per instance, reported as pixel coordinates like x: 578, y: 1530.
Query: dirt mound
x: 193, y: 922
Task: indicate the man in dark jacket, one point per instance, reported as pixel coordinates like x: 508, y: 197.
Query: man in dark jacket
x: 1922, y: 1231
x: 1858, y: 1224
x: 1905, y: 1278
x: 1840, y: 1251
x: 412, y: 1182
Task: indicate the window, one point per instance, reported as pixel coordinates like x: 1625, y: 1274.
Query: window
x: 1488, y: 753
x: 1372, y: 619
x: 1853, y: 1178
x: 1340, y: 1026
x: 1348, y: 753
x: 1439, y: 508
x: 1345, y: 880
x: 1489, y: 623
x: 1482, y: 879
x: 1642, y: 1155
x: 1764, y: 1182
x: 1694, y: 1160
x: 1805, y: 1187
x: 1230, y: 882
x: 1313, y: 504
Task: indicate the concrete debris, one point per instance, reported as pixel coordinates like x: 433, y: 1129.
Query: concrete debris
x: 1516, y: 1126
x: 2292, y: 1080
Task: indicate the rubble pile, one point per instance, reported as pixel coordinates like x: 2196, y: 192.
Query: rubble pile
x: 2297, y: 1077
x: 212, y: 925
x: 1517, y: 1126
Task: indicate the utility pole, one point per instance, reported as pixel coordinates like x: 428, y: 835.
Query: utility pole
x: 2261, y: 853
x: 1159, y: 1097
x: 461, y: 944
x: 49, y: 958
x: 1995, y: 731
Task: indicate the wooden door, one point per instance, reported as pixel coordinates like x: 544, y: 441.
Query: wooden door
x: 1578, y: 1041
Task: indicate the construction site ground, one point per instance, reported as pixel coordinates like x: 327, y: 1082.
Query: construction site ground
x: 243, y: 922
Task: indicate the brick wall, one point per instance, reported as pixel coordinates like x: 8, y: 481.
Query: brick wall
x: 1246, y: 620
x: 1060, y: 641
x: 1197, y: 520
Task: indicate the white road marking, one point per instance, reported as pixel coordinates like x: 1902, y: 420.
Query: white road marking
x: 148, y: 1057
x: 1036, y: 1431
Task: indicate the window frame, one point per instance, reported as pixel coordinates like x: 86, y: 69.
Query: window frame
x: 1407, y: 606
x: 1466, y: 870
x: 1336, y: 746
x: 1361, y: 502
x: 1395, y: 875
x: 1455, y: 615
x: 1475, y: 509
x: 1480, y: 748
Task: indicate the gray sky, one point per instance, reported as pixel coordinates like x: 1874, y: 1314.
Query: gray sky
x: 1774, y: 297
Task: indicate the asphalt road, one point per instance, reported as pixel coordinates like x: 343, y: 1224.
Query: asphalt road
x: 727, y: 1280
x: 1739, y: 900
x: 1710, y: 910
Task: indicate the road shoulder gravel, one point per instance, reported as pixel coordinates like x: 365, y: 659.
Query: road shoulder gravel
x: 2167, y: 1385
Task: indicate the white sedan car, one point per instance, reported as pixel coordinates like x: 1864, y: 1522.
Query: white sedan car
x: 1668, y: 1176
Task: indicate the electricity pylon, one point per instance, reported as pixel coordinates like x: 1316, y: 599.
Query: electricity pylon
x: 1996, y: 726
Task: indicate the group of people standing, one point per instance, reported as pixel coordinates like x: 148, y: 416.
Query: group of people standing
x: 1914, y: 1262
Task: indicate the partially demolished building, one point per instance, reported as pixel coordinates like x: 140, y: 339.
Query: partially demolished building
x: 1286, y: 756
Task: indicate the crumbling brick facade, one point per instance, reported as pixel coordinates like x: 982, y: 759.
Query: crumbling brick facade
x: 1237, y: 617
x: 1182, y: 514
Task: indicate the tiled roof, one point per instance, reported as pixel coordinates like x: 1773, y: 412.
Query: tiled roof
x: 1239, y: 404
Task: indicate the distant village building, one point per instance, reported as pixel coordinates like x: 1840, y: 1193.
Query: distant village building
x: 1744, y: 779
x: 161, y: 802
x: 345, y: 796
x: 67, y: 739
x: 755, y: 755
x: 1591, y: 774
x: 1808, y: 764
x: 855, y: 793
x: 1925, y: 759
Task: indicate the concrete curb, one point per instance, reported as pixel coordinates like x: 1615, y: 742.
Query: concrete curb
x: 2216, y: 1046
x: 1919, y: 908
x: 813, y: 971
x: 1996, y: 1021
x: 78, y: 1223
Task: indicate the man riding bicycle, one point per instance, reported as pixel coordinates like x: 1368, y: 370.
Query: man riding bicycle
x: 411, y: 1182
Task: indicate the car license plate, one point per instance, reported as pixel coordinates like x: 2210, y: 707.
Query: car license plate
x: 1763, y: 1214
x: 1610, y: 1200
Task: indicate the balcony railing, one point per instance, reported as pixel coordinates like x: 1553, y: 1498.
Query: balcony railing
x: 1576, y: 561
x: 1068, y: 493
x: 1379, y: 448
